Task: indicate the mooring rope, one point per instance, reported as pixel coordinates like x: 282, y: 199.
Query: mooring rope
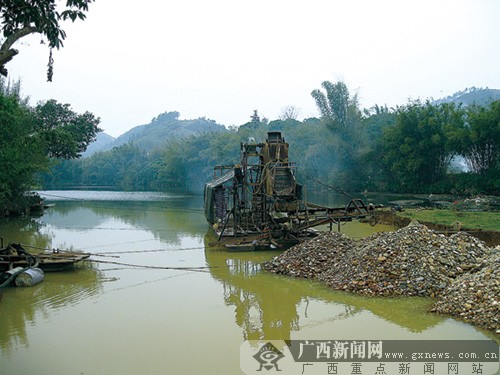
x: 194, y: 269
x: 149, y: 251
x: 35, y: 247
x: 124, y: 208
x: 118, y: 243
x: 113, y: 254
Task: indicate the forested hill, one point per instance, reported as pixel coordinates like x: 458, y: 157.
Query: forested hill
x: 163, y: 128
x: 407, y: 149
x: 470, y: 96
x: 102, y: 139
x: 167, y: 126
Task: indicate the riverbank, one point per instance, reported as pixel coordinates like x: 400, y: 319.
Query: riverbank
x: 412, y: 261
x: 25, y: 204
x: 480, y: 220
x: 482, y: 225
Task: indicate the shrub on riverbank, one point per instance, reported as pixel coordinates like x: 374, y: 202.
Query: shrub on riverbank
x: 32, y: 138
x: 22, y: 204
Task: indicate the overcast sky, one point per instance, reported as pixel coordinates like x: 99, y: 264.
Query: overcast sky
x: 132, y: 60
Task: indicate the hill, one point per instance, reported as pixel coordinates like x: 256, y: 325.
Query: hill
x: 167, y: 126
x: 473, y: 95
x: 163, y: 128
x: 102, y: 140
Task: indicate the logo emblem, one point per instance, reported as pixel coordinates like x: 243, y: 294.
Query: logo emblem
x: 268, y: 357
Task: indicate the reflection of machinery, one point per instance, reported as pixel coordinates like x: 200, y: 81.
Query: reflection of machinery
x: 262, y: 309
x: 261, y: 199
x: 267, y: 307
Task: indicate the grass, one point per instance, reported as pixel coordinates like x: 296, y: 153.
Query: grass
x: 469, y: 220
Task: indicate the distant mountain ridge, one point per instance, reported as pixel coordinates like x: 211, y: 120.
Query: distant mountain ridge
x: 473, y: 95
x: 167, y: 125
x: 102, y: 139
x: 159, y: 131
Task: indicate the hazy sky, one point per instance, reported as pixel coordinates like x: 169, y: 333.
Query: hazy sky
x: 132, y: 60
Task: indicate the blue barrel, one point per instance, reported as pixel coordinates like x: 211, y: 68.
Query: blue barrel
x: 30, y: 277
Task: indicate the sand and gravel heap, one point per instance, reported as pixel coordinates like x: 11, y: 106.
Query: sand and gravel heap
x: 411, y: 261
x: 475, y: 297
x: 460, y: 270
x: 310, y: 259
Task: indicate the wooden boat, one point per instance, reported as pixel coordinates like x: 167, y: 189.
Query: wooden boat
x: 15, y: 256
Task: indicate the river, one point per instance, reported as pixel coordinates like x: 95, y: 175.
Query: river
x: 110, y: 317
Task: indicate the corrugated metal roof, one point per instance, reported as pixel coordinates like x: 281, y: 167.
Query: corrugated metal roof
x: 221, y: 179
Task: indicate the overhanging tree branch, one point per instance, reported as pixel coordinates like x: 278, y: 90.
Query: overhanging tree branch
x: 6, y: 52
x: 22, y: 17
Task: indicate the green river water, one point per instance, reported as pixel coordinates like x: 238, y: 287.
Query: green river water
x: 106, y: 318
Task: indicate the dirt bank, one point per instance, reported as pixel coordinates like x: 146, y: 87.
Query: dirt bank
x: 489, y: 237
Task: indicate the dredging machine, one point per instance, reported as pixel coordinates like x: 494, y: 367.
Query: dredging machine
x: 258, y: 204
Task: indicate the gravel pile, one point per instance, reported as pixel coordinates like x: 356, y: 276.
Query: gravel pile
x: 310, y: 259
x: 475, y: 298
x: 460, y: 270
x: 411, y: 261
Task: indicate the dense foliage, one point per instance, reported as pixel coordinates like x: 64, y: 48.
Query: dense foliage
x: 407, y: 149
x: 64, y: 133
x: 21, y: 155
x: 415, y: 149
x: 29, y: 140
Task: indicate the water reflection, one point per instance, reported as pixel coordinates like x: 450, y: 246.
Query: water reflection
x: 271, y: 307
x: 23, y: 230
x: 21, y: 307
x: 168, y: 221
x: 259, y: 309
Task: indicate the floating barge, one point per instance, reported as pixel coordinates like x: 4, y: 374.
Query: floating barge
x: 258, y: 204
x: 15, y: 256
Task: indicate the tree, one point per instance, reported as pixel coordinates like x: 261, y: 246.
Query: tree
x: 335, y: 105
x: 340, y: 113
x: 21, y: 155
x: 24, y: 17
x: 478, y: 139
x: 64, y: 133
x: 255, y: 119
x: 29, y: 138
x: 416, y: 150
x: 289, y: 112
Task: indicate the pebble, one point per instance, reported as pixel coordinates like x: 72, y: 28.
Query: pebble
x: 460, y: 271
x: 475, y: 297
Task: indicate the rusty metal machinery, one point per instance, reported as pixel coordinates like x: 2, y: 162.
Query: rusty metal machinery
x: 261, y: 196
